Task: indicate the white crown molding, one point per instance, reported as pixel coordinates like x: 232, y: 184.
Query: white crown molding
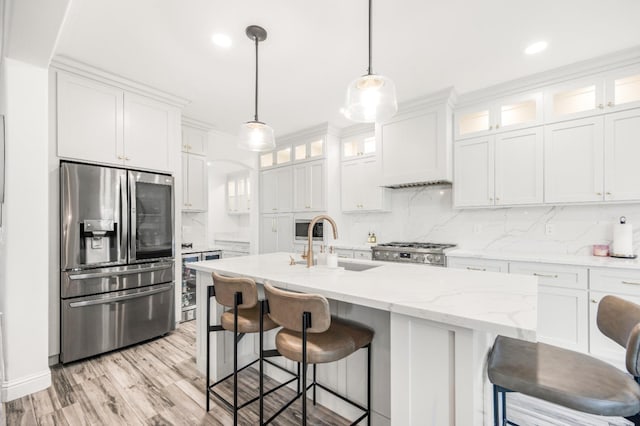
x: 319, y: 130
x: 73, y: 66
x: 357, y: 129
x: 14, y: 389
x: 448, y: 95
x: 197, y: 124
x: 557, y: 75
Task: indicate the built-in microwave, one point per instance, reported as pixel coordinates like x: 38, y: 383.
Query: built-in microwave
x: 302, y: 229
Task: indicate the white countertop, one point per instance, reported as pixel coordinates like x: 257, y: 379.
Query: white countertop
x: 200, y: 249
x: 492, y: 302
x: 564, y: 259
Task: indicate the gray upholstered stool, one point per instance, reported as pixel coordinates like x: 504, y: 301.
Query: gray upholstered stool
x: 247, y: 314
x: 571, y: 379
x: 310, y: 335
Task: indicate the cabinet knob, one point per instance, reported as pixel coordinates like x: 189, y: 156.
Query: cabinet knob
x: 490, y: 199
x: 497, y: 126
x: 274, y: 209
x: 600, y: 106
x: 594, y: 301
x: 120, y: 157
x: 608, y: 193
x: 497, y: 199
x: 490, y: 127
x: 598, y: 193
x: 127, y: 159
x: 610, y: 104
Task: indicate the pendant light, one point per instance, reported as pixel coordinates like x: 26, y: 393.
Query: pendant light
x: 372, y: 97
x: 255, y: 135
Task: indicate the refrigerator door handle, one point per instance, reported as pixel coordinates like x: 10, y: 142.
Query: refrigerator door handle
x: 132, y: 210
x: 116, y: 274
x: 124, y: 218
x: 113, y: 299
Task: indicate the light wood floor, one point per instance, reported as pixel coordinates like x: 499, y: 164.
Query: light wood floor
x: 154, y: 383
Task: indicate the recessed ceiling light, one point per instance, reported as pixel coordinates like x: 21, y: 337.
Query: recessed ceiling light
x: 221, y: 40
x: 536, y: 47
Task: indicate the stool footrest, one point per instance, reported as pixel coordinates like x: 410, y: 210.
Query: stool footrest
x: 215, y: 328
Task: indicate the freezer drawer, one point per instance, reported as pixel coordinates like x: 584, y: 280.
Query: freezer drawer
x: 117, y: 278
x: 96, y: 324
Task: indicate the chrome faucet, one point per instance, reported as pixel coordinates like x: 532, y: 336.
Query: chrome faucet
x: 310, y: 235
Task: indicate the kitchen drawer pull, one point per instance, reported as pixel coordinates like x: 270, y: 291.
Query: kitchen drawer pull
x: 113, y: 299
x: 115, y: 274
x: 631, y: 282
x: 545, y: 275
x: 475, y: 269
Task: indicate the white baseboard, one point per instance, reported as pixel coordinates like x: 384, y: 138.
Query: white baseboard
x: 14, y: 389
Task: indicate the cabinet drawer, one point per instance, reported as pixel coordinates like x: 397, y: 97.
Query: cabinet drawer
x: 553, y: 275
x: 362, y: 254
x: 472, y: 264
x: 621, y: 281
x: 344, y: 253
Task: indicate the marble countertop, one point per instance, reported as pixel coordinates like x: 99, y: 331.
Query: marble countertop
x: 564, y: 259
x: 492, y: 302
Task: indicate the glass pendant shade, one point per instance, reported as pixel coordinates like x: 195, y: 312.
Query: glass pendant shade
x: 371, y: 98
x: 256, y: 136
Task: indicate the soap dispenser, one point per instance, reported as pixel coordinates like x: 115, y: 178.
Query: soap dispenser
x: 374, y: 239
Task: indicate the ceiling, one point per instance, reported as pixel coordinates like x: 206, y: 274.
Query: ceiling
x: 314, y: 49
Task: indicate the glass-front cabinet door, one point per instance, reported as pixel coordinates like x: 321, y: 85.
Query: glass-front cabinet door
x: 189, y: 286
x: 151, y: 216
x: 519, y: 111
x: 623, y: 89
x: 474, y: 121
x: 357, y: 146
x: 308, y: 150
x: 581, y: 98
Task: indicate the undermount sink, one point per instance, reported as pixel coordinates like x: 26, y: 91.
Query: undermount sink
x: 348, y: 266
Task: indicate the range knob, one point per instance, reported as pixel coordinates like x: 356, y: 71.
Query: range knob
x: 395, y: 255
x: 419, y: 259
x: 437, y: 258
x: 430, y: 258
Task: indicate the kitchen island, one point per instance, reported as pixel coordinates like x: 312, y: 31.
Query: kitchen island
x: 434, y: 327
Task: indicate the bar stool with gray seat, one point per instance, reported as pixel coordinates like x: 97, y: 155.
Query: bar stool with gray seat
x: 310, y: 335
x: 572, y: 379
x: 247, y: 315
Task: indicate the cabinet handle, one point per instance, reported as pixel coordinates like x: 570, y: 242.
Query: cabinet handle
x: 490, y: 127
x: 475, y: 269
x: 497, y: 126
x: 610, y: 104
x: 545, y: 275
x: 274, y: 209
x: 594, y: 301
x: 630, y: 282
x: 608, y: 193
x: 120, y: 157
x: 490, y: 199
x: 127, y: 159
x: 600, y: 106
x: 598, y: 193
x: 497, y: 199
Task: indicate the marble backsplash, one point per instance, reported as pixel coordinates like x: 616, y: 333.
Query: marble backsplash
x: 194, y: 228
x: 426, y: 214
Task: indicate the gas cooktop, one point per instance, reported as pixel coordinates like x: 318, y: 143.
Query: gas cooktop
x: 412, y: 252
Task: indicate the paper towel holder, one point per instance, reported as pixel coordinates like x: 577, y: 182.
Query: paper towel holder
x: 623, y: 221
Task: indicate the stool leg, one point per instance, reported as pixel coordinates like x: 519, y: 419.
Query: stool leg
x: 298, y: 377
x: 314, y: 384
x: 504, y: 408
x: 369, y: 384
x: 208, y: 320
x: 304, y: 368
x: 235, y: 361
x: 496, y: 407
x: 261, y: 414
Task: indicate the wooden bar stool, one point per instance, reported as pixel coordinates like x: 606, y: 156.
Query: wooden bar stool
x: 247, y: 314
x: 572, y: 379
x: 310, y: 335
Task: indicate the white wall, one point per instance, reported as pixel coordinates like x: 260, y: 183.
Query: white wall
x: 24, y: 235
x: 425, y: 214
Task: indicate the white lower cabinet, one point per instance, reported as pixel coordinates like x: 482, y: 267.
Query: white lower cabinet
x: 276, y: 233
x: 562, y: 303
x: 475, y: 264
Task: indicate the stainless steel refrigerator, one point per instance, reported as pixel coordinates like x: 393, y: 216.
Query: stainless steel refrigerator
x: 116, y: 258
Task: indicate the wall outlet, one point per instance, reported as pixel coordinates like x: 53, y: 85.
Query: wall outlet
x: 549, y: 229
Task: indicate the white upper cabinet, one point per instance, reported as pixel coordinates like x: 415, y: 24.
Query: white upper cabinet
x: 359, y: 189
x: 238, y: 193
x: 276, y: 190
x: 276, y: 233
x: 358, y: 146
x: 505, y: 114
x: 574, y: 99
x: 194, y: 183
x: 89, y: 118
x: 519, y: 167
x: 474, y: 172
x: 148, y: 127
x: 621, y: 154
x: 416, y: 145
x: 623, y: 89
x: 309, y: 150
x: 194, y: 141
x: 573, y: 160
x: 309, y: 187
x: 104, y: 124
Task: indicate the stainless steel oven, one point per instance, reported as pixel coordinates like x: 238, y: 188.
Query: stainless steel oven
x: 302, y: 229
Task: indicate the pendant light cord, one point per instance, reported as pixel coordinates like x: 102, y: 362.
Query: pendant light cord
x: 370, y: 69
x: 255, y: 116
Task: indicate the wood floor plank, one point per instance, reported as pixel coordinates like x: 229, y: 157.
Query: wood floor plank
x: 20, y: 412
